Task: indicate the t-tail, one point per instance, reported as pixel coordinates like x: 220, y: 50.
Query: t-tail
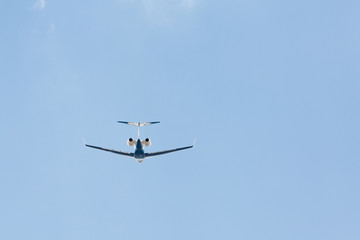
x: 138, y: 125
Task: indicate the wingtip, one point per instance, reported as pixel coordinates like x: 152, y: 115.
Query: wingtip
x: 84, y: 141
x: 194, y: 142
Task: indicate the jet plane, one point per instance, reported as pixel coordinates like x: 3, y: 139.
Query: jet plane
x: 139, y: 153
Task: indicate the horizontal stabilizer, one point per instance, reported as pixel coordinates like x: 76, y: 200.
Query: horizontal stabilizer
x: 138, y: 124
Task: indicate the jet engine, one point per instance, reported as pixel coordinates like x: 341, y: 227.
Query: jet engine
x: 147, y: 142
x: 131, y: 142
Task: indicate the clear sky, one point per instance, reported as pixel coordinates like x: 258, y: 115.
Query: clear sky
x: 270, y: 89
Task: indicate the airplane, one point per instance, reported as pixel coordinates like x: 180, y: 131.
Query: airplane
x: 139, y: 154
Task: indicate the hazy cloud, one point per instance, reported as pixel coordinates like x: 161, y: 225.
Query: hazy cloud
x: 151, y: 6
x: 52, y: 28
x: 148, y: 6
x: 188, y: 3
x: 164, y: 12
x: 39, y: 5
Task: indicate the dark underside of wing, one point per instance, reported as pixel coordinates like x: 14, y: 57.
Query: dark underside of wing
x: 166, y: 151
x: 111, y: 150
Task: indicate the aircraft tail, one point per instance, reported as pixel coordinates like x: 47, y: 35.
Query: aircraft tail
x: 138, y: 125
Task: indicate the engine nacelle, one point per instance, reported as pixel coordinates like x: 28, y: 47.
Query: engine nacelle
x: 147, y: 142
x: 130, y: 142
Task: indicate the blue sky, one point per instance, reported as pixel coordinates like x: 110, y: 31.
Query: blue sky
x: 270, y: 89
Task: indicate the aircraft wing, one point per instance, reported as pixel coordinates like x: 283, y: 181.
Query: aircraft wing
x: 113, y: 151
x: 166, y: 151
